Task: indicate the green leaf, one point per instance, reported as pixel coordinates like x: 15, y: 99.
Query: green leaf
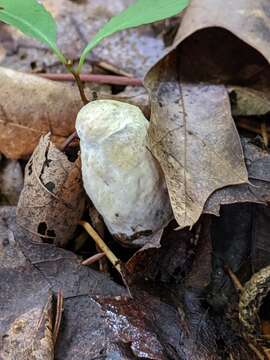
x: 33, y: 20
x: 140, y: 13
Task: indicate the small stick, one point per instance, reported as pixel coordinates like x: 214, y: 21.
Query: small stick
x: 68, y: 141
x: 58, y: 317
x: 264, y: 133
x: 112, y: 68
x: 93, y: 259
x: 95, y: 78
x: 253, y: 126
x: 234, y: 278
x: 101, y: 244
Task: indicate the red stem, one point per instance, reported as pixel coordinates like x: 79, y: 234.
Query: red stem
x: 96, y: 78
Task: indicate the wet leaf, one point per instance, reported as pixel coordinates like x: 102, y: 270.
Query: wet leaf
x: 99, y: 319
x: 193, y: 136
x: 30, y: 273
x: 52, y: 200
x: 150, y: 327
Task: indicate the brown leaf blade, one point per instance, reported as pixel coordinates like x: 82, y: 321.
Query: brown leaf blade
x: 247, y: 19
x: 30, y: 334
x: 52, y: 200
x: 30, y: 107
x: 193, y: 136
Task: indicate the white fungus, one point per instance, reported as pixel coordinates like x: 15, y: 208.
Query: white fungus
x: 120, y: 175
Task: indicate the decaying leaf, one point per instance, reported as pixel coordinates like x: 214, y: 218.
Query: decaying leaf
x: 99, y: 320
x: 29, y: 274
x: 11, y: 182
x: 148, y: 325
x: 247, y: 19
x: 249, y: 102
x: 30, y: 335
x: 52, y: 200
x: 193, y: 136
x: 260, y: 237
x: 29, y: 108
x: 183, y: 73
x: 166, y: 260
x: 258, y: 188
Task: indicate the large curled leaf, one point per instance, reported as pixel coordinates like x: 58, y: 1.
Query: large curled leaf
x: 33, y: 20
x: 140, y: 13
x: 193, y: 136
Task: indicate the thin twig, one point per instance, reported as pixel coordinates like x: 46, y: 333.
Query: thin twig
x: 101, y: 244
x: 93, y: 259
x: 109, y: 254
x: 58, y: 316
x: 234, y: 278
x: 95, y: 78
x: 112, y: 68
x: 253, y: 126
x: 264, y: 133
x: 68, y: 141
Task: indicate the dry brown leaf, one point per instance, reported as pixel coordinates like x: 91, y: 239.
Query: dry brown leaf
x: 52, y: 200
x: 258, y: 189
x: 249, y: 102
x: 249, y: 20
x: 30, y: 107
x: 193, y: 136
x: 30, y: 335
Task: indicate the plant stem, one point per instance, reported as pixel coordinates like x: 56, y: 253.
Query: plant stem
x: 80, y: 86
x: 68, y: 141
x: 78, y: 81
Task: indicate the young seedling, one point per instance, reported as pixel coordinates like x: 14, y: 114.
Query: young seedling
x: 31, y: 18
